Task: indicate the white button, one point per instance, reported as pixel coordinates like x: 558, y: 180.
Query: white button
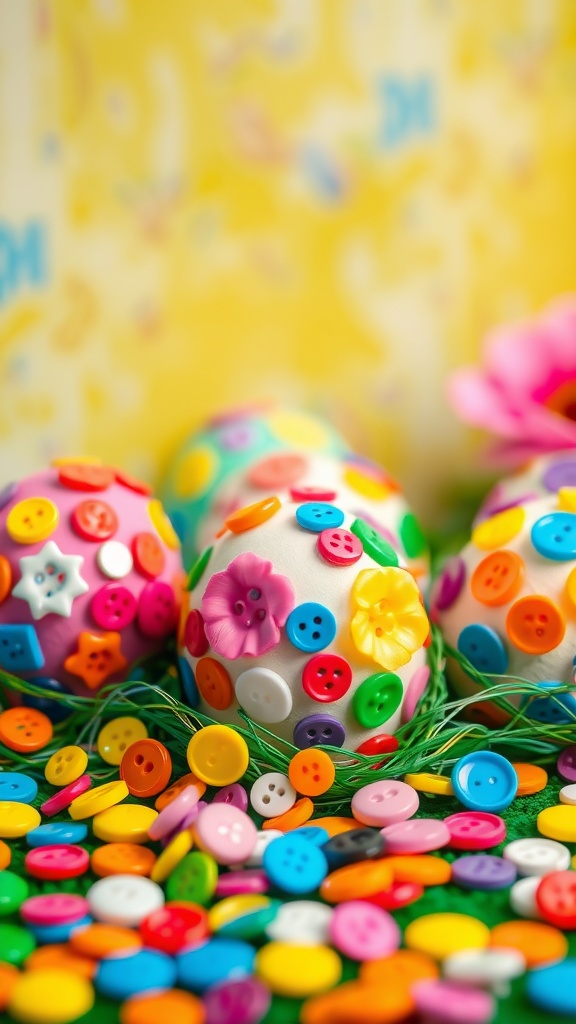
x: 264, y: 695
x: 124, y: 899
x: 537, y: 856
x: 486, y: 968
x: 114, y: 559
x: 263, y: 840
x: 50, y: 581
x: 302, y: 921
x: 272, y: 794
x: 568, y: 794
x: 523, y: 897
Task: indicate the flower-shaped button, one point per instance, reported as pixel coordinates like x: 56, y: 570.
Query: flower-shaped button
x: 245, y: 606
x: 389, y: 622
x: 98, y: 657
x: 50, y: 581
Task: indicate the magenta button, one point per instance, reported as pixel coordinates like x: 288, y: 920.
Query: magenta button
x: 157, y: 609
x: 448, y: 586
x: 113, y: 607
x: 362, y: 931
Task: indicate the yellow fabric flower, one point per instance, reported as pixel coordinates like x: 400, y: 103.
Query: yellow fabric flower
x: 389, y: 622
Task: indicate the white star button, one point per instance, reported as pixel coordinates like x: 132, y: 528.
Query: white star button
x: 50, y: 581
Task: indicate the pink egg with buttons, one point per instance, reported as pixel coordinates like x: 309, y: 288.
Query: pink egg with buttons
x: 384, y: 802
x: 91, y: 576
x: 362, y: 931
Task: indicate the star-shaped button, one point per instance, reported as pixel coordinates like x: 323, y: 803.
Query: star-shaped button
x: 98, y: 656
x: 50, y: 581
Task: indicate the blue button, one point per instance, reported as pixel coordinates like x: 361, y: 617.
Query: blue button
x: 46, y: 934
x: 57, y: 832
x: 54, y: 709
x: 554, y: 988
x: 188, y: 681
x: 20, y: 649
x: 294, y: 865
x: 17, y: 787
x: 318, y: 515
x: 484, y: 781
x: 213, y: 962
x: 554, y: 536
x: 560, y: 710
x: 311, y: 627
x: 483, y: 648
x: 119, y: 977
x: 312, y: 834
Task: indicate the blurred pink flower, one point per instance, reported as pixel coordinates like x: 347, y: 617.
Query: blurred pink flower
x: 526, y: 392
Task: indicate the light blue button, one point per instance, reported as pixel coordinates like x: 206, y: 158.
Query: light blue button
x: 55, y: 710
x: 17, y: 787
x: 554, y: 988
x: 484, y: 781
x: 318, y: 515
x: 20, y: 649
x: 554, y: 536
x: 188, y: 680
x: 314, y: 834
x: 49, y: 933
x: 56, y: 833
x: 119, y: 977
x: 252, y: 923
x: 294, y: 865
x: 483, y: 648
x: 559, y: 711
x: 213, y: 962
x: 311, y: 627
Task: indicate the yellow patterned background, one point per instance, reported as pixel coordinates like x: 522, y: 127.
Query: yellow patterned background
x: 208, y: 201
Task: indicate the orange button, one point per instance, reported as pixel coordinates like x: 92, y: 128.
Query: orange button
x: 83, y: 476
x: 98, y: 657
x: 355, y: 881
x: 148, y: 554
x: 5, y: 578
x: 535, y: 624
x: 175, y: 1006
x: 5, y: 855
x: 252, y: 515
x: 99, y: 940
x: 176, y: 788
x: 25, y: 729
x: 60, y: 957
x: 497, y: 578
x: 146, y: 767
x: 356, y: 1002
x: 531, y: 778
x: 122, y: 859
x: 311, y: 771
x: 539, y: 943
x: 336, y: 824
x: 405, y: 968
x: 214, y: 683
x: 8, y: 977
x: 421, y: 869
x: 132, y: 482
x: 298, y: 815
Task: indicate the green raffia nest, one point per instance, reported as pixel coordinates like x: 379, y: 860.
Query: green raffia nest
x: 432, y: 742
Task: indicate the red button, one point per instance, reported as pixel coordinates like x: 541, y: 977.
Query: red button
x: 312, y: 494
x: 94, y: 519
x: 326, y: 677
x: 556, y: 898
x: 339, y: 547
x: 148, y: 554
x: 194, y: 636
x: 113, y: 607
x: 85, y: 477
x: 381, y: 744
x: 174, y: 926
x: 132, y: 482
x: 56, y: 862
x: 399, y: 895
x: 277, y: 471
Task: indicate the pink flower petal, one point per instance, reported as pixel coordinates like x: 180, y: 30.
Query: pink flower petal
x: 478, y: 401
x: 517, y: 359
x: 226, y: 638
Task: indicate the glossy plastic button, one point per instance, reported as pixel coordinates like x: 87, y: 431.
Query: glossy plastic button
x: 146, y: 768
x: 226, y: 833
x: 357, y: 881
x: 213, y: 962
x: 95, y: 800
x: 57, y: 862
x: 122, y: 859
x: 143, y: 970
x: 558, y: 822
x: 484, y: 781
x: 20, y: 649
x: 377, y: 698
x: 66, y: 796
x: 194, y: 879
x: 417, y: 836
x: 116, y: 736
x: 384, y: 803
x: 350, y: 847
x: 54, y: 908
x: 174, y: 926
x: 264, y: 695
x: 363, y: 931
x: 213, y: 681
x: 298, y: 971
x: 114, y: 559
x: 374, y: 544
x: 252, y: 515
x: 32, y: 520
x: 124, y: 899
x: 448, y: 1002
x: 25, y: 729
x: 554, y: 536
x: 271, y: 794
x: 174, y: 1005
x: 65, y: 766
x: 113, y: 607
x: 148, y: 555
x: 311, y: 627
x: 16, y: 819
x: 18, y: 787
x: 553, y: 988
x: 535, y: 624
x: 497, y: 578
x: 483, y: 648
x: 339, y: 547
x: 217, y: 755
x: 157, y: 612
x: 448, y: 587
x: 311, y: 493
x: 195, y: 638
x: 537, y: 942
x: 277, y: 472
x: 531, y: 778
x: 94, y: 520
x: 499, y: 530
x: 50, y: 996
x: 319, y: 729
x: 483, y: 871
x: 176, y: 789
x: 311, y: 772
x: 302, y: 922
x: 128, y: 823
x: 294, y: 865
x: 99, y: 940
x: 326, y: 677
x: 317, y: 516
x: 475, y: 830
x: 537, y: 856
x: 97, y: 657
x: 440, y: 935
x: 57, y: 834
x: 13, y: 893
x: 566, y: 764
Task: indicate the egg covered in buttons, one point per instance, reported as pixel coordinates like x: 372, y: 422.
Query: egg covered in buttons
x: 91, y: 579
x: 319, y: 651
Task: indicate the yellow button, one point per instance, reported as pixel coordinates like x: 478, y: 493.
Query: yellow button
x: 50, y: 996
x: 440, y: 935
x: 297, y: 430
x: 17, y: 819
x: 218, y: 755
x: 567, y: 499
x: 163, y: 525
x: 427, y: 782
x: 126, y: 824
x: 558, y: 822
x: 195, y: 473
x: 96, y: 800
x: 298, y: 971
x: 366, y: 485
x: 233, y: 907
x: 32, y: 520
x: 66, y: 765
x: 116, y: 736
x: 499, y: 529
x: 171, y: 856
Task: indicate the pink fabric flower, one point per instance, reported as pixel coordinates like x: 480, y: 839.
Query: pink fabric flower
x: 526, y: 393
x: 245, y: 606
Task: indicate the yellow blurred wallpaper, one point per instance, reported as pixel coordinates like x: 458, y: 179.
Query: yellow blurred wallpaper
x: 205, y: 203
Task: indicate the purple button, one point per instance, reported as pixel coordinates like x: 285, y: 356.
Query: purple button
x: 315, y: 730
x: 503, y: 506
x: 7, y: 493
x: 237, y: 437
x: 235, y: 795
x: 566, y: 764
x: 560, y: 474
x: 449, y: 584
x: 186, y: 822
x: 245, y: 1001
x: 484, y: 871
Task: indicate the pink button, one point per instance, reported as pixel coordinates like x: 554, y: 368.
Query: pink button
x: 339, y: 547
x: 186, y: 822
x: 64, y: 797
x: 225, y: 832
x: 236, y: 883
x: 384, y: 802
x: 414, y: 691
x: 277, y: 471
x: 234, y: 794
x: 363, y: 931
x: 56, y: 862
x: 312, y: 494
x: 113, y: 607
x: 418, y: 836
x: 157, y: 609
x: 55, y: 908
x: 174, y: 813
x: 448, y: 1003
x: 475, y: 830
x: 195, y: 637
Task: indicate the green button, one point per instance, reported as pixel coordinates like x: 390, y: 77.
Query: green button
x: 252, y: 924
x: 194, y: 879
x: 377, y: 698
x: 374, y: 544
x: 13, y: 891
x: 16, y: 944
x: 197, y: 570
x: 411, y: 536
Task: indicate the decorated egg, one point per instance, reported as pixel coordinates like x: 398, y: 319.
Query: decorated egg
x: 301, y: 616
x: 507, y: 602
x: 197, y: 485
x: 90, y: 576
x: 543, y: 475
